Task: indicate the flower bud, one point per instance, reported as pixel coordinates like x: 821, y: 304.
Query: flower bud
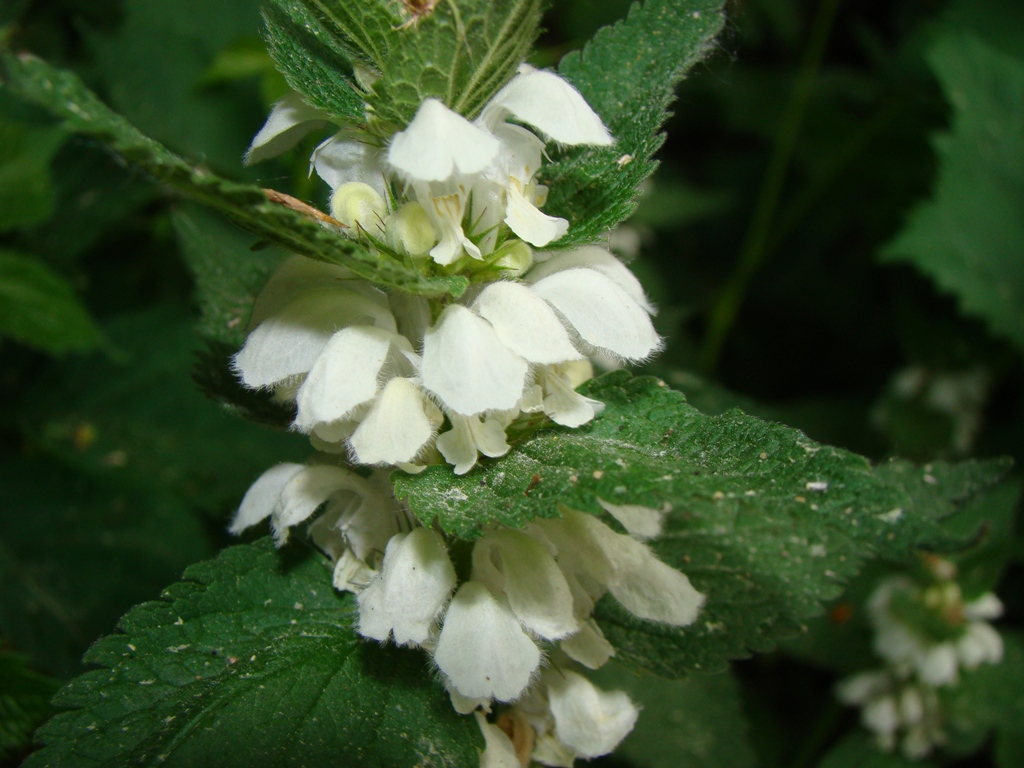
x: 409, y: 230
x: 516, y: 260
x: 359, y: 206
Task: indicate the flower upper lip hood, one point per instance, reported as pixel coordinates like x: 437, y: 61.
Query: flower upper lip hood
x: 439, y: 142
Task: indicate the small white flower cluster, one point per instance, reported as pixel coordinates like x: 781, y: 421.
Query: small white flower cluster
x: 375, y: 375
x: 562, y: 718
x: 528, y: 592
x: 900, y: 703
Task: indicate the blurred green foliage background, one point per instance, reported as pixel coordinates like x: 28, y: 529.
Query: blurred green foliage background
x: 835, y: 239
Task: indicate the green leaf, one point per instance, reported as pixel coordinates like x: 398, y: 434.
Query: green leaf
x: 24, y: 702
x: 64, y: 95
x: 228, y: 272
x: 969, y: 238
x: 153, y: 63
x: 628, y: 73
x: 251, y: 660
x: 311, y: 59
x: 76, y: 551
x: 460, y: 52
x: 362, y: 29
x: 693, y: 723
x: 39, y: 308
x: 138, y: 418
x: 26, y: 196
x: 750, y: 525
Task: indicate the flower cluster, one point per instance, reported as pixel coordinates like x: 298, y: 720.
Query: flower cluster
x: 926, y: 634
x: 376, y: 375
x: 529, y: 592
x: 391, y: 379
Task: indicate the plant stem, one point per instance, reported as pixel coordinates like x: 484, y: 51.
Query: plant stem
x: 723, y: 314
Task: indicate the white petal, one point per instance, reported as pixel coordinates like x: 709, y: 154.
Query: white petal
x: 530, y: 223
x: 499, y: 751
x: 289, y: 121
x: 340, y: 160
x: 446, y: 211
x: 513, y: 563
x: 439, y: 142
x: 414, y: 583
x: 345, y: 375
x: 563, y: 404
x: 307, y: 490
x: 588, y: 646
x: 467, y: 367
x: 482, y: 649
x: 368, y: 524
x: 296, y: 276
x: 525, y: 323
x: 596, y: 258
x: 546, y: 101
x: 641, y: 522
x: 351, y: 574
x: 288, y: 343
x: 397, y: 426
x: 469, y: 436
x: 601, y: 312
x: 589, y: 720
x: 988, y: 606
x: 863, y: 686
x: 911, y: 706
x: 464, y: 705
x: 980, y: 644
x: 336, y: 431
x: 938, y: 666
x: 520, y: 155
x: 641, y: 582
x: 881, y: 715
x: 261, y: 498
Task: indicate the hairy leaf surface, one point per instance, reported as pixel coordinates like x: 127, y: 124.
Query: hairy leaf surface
x: 767, y: 523
x: 251, y: 660
x: 628, y: 73
x: 63, y: 94
x: 311, y: 59
x: 460, y: 53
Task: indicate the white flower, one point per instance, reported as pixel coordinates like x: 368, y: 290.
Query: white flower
x: 447, y: 160
x: 333, y: 341
x: 337, y: 160
x: 360, y: 515
x: 590, y: 721
x: 936, y: 661
x: 483, y: 650
x: 412, y: 587
x: 471, y: 436
x: 480, y: 359
x: 898, y: 711
x: 565, y: 717
x: 634, y: 575
x: 499, y: 751
x: 439, y: 143
x: 529, y: 584
x: 550, y: 104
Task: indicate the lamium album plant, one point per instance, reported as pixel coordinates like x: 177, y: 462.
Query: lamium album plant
x: 481, y: 535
